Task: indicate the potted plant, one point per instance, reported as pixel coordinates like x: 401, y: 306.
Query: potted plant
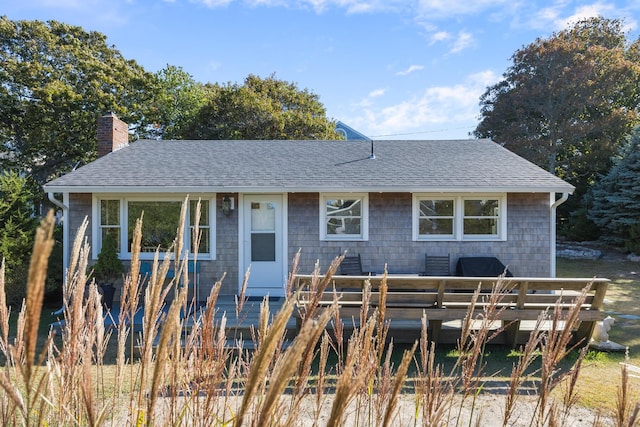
x: 108, y: 269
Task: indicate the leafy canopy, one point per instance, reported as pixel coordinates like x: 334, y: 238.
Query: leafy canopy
x: 567, y: 102
x: 260, y: 109
x: 177, y: 102
x: 55, y: 80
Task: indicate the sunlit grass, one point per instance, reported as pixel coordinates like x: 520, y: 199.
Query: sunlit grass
x: 171, y: 375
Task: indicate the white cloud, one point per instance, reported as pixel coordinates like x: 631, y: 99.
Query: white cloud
x: 215, y: 3
x: 560, y: 15
x: 410, y: 70
x: 367, y: 102
x: 588, y: 11
x: 458, y: 43
x: 443, y: 107
x: 430, y: 9
x: 439, y: 36
x: 463, y: 41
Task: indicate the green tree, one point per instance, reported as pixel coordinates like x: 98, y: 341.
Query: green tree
x: 261, y: 109
x: 567, y: 102
x: 178, y: 100
x: 19, y: 222
x: 55, y: 80
x: 615, y: 199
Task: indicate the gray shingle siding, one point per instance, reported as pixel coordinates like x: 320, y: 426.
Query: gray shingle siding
x: 526, y: 251
x: 79, y: 208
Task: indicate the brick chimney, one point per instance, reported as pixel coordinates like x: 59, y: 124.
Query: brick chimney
x: 113, y: 134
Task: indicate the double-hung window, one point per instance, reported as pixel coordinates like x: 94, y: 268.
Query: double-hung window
x: 460, y: 217
x: 344, y: 216
x: 436, y: 218
x: 481, y: 218
x: 117, y: 217
x: 110, y: 224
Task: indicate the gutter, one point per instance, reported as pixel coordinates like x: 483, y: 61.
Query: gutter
x: 553, y: 235
x: 57, y: 202
x: 65, y: 230
x: 560, y: 201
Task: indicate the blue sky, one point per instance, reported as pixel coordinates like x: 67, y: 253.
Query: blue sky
x: 391, y: 69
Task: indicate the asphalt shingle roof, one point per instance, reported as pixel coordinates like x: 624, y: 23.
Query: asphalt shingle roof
x: 240, y: 166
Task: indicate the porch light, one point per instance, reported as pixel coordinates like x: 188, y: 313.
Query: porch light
x: 227, y: 205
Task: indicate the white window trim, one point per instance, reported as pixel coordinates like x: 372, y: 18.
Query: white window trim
x: 364, y: 227
x: 458, y: 217
x: 124, y: 251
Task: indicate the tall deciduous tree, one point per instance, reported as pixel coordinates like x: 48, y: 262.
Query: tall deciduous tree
x: 55, y: 80
x: 176, y: 104
x: 615, y: 199
x: 261, y: 109
x: 567, y: 102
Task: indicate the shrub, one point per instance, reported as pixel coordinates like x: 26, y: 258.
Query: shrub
x: 108, y: 267
x: 18, y: 219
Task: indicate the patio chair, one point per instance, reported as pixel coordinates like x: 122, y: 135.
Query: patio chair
x: 436, y: 265
x: 352, y: 266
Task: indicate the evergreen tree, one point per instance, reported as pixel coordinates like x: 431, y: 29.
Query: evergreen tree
x: 615, y: 199
x: 19, y: 222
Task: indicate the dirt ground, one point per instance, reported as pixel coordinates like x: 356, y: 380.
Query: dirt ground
x: 488, y: 410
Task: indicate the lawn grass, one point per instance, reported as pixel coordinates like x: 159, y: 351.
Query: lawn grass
x: 600, y: 377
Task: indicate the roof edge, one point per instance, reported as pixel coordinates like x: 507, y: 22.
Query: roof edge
x: 252, y: 189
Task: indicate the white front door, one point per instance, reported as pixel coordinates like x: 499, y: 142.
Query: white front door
x: 264, y: 247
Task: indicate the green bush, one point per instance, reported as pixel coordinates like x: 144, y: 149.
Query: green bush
x: 18, y: 216
x: 109, y: 267
x: 579, y: 228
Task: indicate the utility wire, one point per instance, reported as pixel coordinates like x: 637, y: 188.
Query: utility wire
x: 422, y: 132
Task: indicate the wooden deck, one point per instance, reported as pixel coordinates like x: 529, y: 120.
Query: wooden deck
x: 446, y: 300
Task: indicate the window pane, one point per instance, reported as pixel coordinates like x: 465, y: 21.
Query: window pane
x: 344, y: 216
x: 481, y: 207
x: 263, y: 247
x: 204, y: 212
x: 114, y: 232
x: 263, y: 216
x: 109, y: 212
x: 436, y: 208
x: 481, y: 226
x: 159, y: 225
x: 342, y: 207
x: 435, y: 226
x: 204, y: 247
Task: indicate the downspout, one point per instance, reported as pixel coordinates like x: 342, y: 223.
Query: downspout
x: 65, y: 230
x: 554, y: 205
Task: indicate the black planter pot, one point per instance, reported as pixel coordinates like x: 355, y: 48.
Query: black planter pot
x: 108, y: 292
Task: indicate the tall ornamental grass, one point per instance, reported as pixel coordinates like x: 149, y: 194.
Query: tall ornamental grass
x: 180, y: 369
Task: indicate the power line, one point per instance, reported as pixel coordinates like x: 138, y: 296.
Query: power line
x: 422, y: 132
